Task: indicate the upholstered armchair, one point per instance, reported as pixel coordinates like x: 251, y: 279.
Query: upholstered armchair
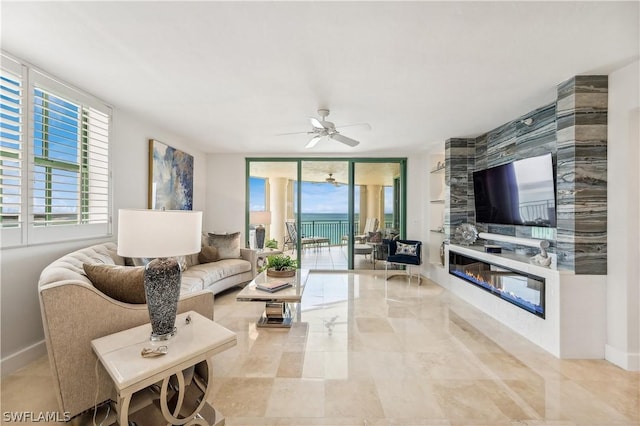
x: 404, y: 252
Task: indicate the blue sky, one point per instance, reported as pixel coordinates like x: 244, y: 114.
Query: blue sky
x: 316, y: 197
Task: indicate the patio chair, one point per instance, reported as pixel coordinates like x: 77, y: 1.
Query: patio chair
x: 291, y: 239
x: 404, y: 252
x: 371, y: 225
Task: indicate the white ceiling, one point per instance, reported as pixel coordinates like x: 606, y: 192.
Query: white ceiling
x: 229, y: 76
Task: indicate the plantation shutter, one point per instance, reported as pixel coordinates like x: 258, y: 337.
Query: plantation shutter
x: 70, y: 162
x: 12, y: 102
x: 55, y: 181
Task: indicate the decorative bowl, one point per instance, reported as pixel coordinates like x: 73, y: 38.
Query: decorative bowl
x: 281, y: 274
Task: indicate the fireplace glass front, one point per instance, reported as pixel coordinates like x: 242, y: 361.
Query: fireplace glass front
x: 523, y: 290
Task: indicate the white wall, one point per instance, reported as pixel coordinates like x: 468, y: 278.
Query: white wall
x: 623, y: 229
x: 225, y: 205
x: 21, y: 325
x: 416, y: 174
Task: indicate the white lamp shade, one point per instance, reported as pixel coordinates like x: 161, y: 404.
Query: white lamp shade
x: 158, y: 233
x: 260, y: 218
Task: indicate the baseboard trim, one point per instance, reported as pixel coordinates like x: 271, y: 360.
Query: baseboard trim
x: 21, y: 359
x: 626, y: 360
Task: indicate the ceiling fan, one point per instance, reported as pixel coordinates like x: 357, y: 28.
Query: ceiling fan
x: 332, y: 180
x: 322, y: 128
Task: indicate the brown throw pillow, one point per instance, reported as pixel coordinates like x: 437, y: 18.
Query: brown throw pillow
x: 208, y: 254
x: 123, y: 283
x: 228, y: 245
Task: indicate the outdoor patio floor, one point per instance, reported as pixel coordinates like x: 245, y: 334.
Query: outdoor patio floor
x: 333, y: 258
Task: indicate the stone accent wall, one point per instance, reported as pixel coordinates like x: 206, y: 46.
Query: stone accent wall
x: 458, y: 153
x: 574, y: 131
x: 582, y: 174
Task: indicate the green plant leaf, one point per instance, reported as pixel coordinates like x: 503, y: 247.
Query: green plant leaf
x: 281, y: 262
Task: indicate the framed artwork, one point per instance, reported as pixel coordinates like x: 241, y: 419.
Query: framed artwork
x: 170, y: 178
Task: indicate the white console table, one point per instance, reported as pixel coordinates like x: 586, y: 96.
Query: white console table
x: 575, y: 305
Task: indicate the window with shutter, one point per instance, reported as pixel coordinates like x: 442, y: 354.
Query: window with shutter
x: 66, y: 192
x: 11, y: 149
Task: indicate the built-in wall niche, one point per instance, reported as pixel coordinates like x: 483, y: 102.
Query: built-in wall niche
x: 436, y: 210
x: 521, y: 289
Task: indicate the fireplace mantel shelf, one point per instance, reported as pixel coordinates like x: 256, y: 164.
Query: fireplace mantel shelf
x: 519, y: 260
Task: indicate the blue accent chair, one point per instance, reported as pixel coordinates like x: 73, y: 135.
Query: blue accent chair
x: 409, y: 255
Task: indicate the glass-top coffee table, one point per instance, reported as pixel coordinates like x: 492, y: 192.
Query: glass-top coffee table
x: 277, y: 312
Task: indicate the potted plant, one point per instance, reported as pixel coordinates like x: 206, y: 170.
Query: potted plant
x: 280, y: 266
x: 271, y: 244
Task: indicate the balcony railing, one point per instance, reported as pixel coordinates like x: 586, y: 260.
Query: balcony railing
x: 332, y: 229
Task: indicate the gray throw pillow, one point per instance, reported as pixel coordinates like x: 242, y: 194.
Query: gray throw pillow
x: 228, y: 245
x: 123, y: 283
x: 208, y: 254
x: 375, y: 237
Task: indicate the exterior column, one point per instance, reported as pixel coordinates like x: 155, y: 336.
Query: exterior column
x: 381, y: 216
x: 373, y: 202
x: 364, y: 212
x: 290, y: 198
x: 278, y: 205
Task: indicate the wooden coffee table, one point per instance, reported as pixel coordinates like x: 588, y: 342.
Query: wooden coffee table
x: 277, y: 311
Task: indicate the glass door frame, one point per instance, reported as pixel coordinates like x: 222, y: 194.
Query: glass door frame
x: 352, y: 161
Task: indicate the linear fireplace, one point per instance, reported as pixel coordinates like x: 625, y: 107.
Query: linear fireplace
x: 519, y: 288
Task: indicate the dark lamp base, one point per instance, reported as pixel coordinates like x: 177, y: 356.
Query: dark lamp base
x: 260, y: 233
x: 162, y: 289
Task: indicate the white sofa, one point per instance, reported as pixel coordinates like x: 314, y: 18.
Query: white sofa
x: 74, y: 312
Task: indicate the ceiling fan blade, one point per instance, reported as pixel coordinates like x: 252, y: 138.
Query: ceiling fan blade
x: 293, y: 133
x: 313, y: 141
x: 345, y: 140
x: 316, y: 123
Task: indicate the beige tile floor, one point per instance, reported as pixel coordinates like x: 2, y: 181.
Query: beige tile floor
x: 368, y: 352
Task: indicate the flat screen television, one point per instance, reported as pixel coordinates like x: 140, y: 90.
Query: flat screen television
x: 518, y: 193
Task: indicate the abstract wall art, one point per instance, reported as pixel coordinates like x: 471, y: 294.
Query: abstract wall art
x: 170, y: 178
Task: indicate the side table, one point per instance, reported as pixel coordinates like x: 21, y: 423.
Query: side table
x: 261, y: 256
x: 197, y: 340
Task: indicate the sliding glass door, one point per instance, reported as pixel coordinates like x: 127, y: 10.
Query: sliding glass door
x: 324, y: 219
x: 331, y: 214
x: 378, y: 212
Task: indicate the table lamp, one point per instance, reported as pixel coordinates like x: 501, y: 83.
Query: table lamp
x: 260, y: 219
x: 161, y: 235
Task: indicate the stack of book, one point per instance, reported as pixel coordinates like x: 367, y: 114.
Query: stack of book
x: 273, y: 286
